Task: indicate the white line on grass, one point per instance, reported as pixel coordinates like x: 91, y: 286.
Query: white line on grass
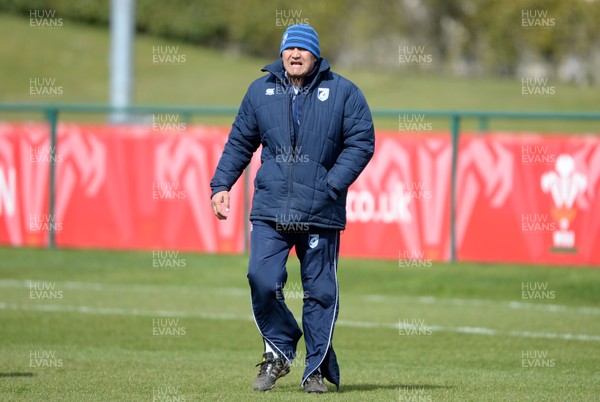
x: 99, y: 287
x: 516, y: 305
x: 118, y: 287
x: 341, y: 323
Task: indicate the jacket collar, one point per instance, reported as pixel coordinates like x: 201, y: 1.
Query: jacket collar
x: 278, y: 71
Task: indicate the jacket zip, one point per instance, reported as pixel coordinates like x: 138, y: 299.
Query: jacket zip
x: 296, y: 138
x: 292, y: 145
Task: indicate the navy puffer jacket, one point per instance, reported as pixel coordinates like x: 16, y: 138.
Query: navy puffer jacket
x: 304, y: 176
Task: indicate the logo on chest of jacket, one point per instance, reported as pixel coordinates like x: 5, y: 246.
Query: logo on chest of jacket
x: 323, y: 94
x: 270, y: 91
x: 313, y: 240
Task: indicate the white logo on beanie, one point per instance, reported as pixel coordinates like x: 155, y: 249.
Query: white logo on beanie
x: 284, y: 39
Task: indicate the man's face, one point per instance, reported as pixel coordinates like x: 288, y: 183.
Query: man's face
x: 298, y: 62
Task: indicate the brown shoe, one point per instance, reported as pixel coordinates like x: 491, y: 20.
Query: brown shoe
x: 314, y: 383
x: 270, y: 370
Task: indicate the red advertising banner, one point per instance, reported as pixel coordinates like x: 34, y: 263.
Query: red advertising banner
x: 520, y: 197
x: 116, y: 187
x: 400, y: 206
x: 529, y: 198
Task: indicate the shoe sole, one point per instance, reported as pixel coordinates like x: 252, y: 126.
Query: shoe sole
x: 315, y: 391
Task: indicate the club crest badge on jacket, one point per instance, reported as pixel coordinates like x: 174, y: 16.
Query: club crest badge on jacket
x: 323, y: 94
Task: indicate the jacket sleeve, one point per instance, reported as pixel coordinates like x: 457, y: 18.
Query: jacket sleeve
x: 243, y: 141
x: 359, y: 144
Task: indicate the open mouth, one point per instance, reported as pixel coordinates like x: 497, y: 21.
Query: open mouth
x: 296, y: 63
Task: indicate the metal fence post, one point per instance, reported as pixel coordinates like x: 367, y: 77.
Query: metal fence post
x: 483, y: 124
x: 52, y: 115
x: 455, y: 133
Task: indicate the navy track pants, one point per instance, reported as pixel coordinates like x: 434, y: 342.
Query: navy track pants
x: 318, y: 251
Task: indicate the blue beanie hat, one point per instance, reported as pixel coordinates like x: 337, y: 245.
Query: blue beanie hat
x: 303, y: 36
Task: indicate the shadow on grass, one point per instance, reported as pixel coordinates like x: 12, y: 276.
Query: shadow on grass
x: 4, y: 375
x: 375, y: 387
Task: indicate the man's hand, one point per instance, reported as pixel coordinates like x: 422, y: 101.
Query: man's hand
x: 220, y: 204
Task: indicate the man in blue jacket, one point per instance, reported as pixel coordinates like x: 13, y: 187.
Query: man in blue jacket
x: 317, y: 136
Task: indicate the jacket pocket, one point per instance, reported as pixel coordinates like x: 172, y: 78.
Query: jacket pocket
x: 323, y: 185
x: 332, y: 192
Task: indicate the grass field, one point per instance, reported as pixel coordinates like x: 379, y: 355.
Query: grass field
x: 92, y: 325
x: 110, y: 326
x: 76, y: 56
